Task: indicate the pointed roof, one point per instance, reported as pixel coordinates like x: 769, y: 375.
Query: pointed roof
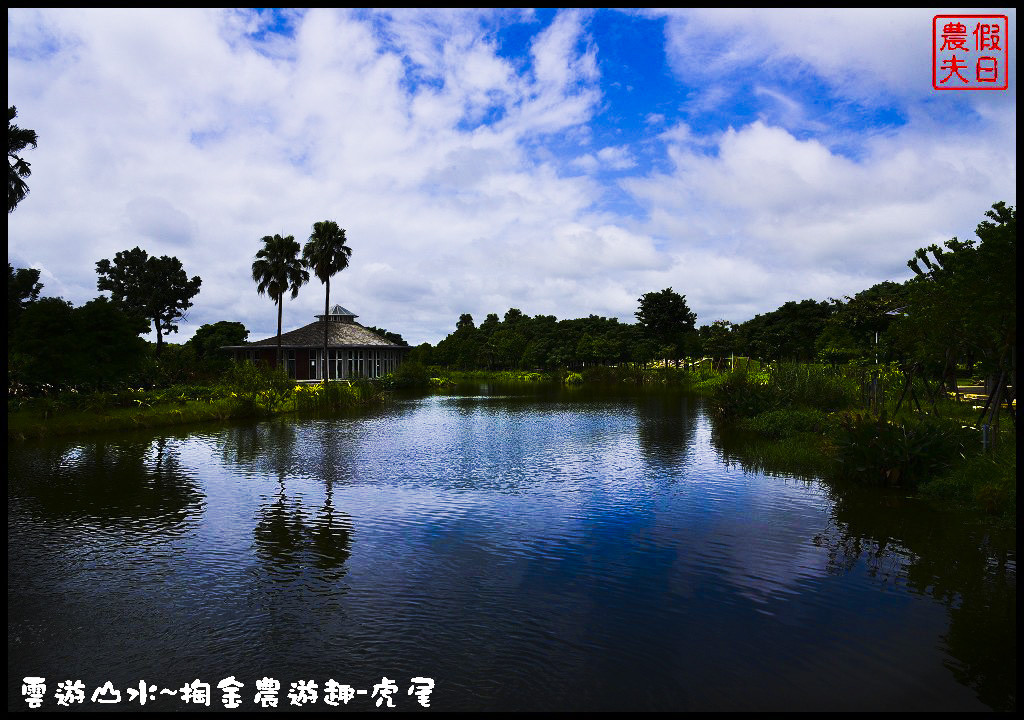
x: 339, y: 310
x: 346, y: 333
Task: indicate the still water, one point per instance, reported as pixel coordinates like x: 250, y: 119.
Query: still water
x: 526, y: 549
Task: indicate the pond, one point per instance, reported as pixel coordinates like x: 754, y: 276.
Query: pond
x: 526, y: 549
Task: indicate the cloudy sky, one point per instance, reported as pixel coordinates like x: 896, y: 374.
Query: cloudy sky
x: 561, y: 162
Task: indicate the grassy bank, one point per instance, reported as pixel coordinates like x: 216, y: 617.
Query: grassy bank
x: 695, y: 377
x: 933, y: 448
x: 248, y: 391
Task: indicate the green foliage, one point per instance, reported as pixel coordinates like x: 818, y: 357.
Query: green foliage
x: 422, y: 353
x: 321, y: 397
x: 573, y: 379
x: 743, y: 394
x: 902, y: 454
x: 17, y: 167
x: 717, y: 340
x: 209, y: 359
x: 987, y: 481
x: 155, y: 288
x: 746, y: 393
x: 537, y: 343
x: 963, y: 299
x: 851, y: 330
x: 666, y: 320
x: 23, y: 287
x: 789, y: 422
x: 257, y: 385
x: 836, y: 345
x: 815, y: 386
x: 56, y: 344
x: 411, y: 375
x: 788, y: 333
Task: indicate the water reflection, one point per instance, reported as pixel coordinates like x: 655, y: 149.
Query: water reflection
x: 666, y: 422
x: 971, y: 570
x: 559, y: 549
x: 292, y: 541
x: 266, y: 447
x: 897, y: 541
x: 137, y: 485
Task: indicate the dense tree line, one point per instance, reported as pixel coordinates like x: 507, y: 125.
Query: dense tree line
x: 543, y: 342
x: 958, y: 309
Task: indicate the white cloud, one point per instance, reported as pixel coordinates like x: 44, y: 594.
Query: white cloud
x: 177, y: 131
x: 618, y: 158
x: 769, y: 218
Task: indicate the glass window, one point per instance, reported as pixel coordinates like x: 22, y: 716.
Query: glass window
x: 290, y: 363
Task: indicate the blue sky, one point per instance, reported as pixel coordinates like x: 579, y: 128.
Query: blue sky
x: 563, y: 162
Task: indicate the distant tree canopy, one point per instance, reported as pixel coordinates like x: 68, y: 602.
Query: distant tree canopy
x: 788, y: 333
x: 92, y: 345
x: 18, y: 169
x: 850, y: 332
x: 154, y: 288
x: 210, y: 338
x: 536, y: 343
x: 717, y: 340
x: 667, y: 320
x: 387, y: 335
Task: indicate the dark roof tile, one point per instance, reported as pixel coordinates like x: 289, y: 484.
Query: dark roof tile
x: 338, y: 334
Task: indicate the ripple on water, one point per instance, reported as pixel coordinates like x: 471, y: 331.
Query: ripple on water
x: 527, y: 553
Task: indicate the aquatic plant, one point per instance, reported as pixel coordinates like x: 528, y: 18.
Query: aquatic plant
x: 901, y: 453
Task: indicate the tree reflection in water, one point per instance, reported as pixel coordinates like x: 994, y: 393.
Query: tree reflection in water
x: 960, y: 561
x: 137, y: 486
x: 293, y: 543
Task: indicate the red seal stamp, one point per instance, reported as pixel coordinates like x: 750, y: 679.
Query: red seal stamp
x: 970, y: 52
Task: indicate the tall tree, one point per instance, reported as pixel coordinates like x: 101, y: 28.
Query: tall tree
x: 963, y: 300
x: 666, y: 319
x: 155, y: 288
x: 17, y: 168
x: 326, y: 254
x: 276, y: 270
x: 23, y: 287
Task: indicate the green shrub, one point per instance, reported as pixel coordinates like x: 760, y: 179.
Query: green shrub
x: 987, y: 482
x: 903, y: 454
x: 787, y: 422
x: 743, y: 394
x: 256, y: 385
x: 816, y: 386
x: 746, y: 393
x: 411, y: 375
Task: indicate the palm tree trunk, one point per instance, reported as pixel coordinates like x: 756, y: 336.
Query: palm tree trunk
x: 327, y: 300
x: 280, y: 303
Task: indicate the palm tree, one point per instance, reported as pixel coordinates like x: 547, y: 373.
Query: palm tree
x: 326, y: 254
x: 276, y: 270
x: 17, y: 169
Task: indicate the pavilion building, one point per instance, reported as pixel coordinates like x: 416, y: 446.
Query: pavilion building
x: 352, y: 350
